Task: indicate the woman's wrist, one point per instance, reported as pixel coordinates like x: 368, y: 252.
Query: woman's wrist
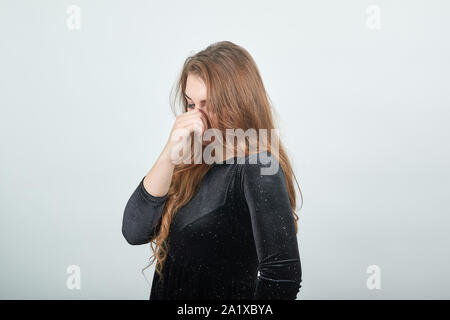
x: 165, y: 157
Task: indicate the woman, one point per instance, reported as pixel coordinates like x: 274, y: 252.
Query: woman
x: 220, y: 230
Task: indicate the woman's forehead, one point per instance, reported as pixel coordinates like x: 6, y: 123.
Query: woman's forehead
x: 195, y: 88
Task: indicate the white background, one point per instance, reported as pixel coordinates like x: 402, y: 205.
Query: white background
x: 364, y: 115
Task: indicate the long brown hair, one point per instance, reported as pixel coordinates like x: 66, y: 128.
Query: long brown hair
x: 236, y: 94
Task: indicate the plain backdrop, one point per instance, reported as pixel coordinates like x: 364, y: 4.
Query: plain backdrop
x: 364, y: 114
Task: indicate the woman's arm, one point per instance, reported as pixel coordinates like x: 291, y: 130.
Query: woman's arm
x: 143, y: 212
x: 142, y: 216
x: 273, y: 227
x: 145, y: 207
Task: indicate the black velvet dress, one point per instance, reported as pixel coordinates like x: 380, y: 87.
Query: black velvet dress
x: 235, y: 239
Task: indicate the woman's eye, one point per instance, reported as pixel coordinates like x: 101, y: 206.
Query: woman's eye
x: 191, y: 105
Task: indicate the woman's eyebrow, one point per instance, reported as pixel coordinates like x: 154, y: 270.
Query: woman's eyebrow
x: 203, y: 101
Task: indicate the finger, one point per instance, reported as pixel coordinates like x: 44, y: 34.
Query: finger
x: 190, y: 112
x: 197, y: 121
x: 186, y: 116
x: 184, y: 122
x: 197, y: 129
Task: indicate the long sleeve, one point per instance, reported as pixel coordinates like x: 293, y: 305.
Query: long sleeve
x: 142, y: 216
x: 279, y: 271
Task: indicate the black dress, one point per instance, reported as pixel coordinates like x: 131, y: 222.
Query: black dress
x: 235, y: 239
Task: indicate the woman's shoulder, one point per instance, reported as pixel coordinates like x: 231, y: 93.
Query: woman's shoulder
x: 260, y: 164
x: 260, y: 170
x: 253, y: 169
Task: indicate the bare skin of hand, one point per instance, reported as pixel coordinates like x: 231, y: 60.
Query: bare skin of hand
x: 158, y: 179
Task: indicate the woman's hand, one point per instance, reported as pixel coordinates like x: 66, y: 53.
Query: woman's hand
x: 158, y: 179
x: 195, y: 121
